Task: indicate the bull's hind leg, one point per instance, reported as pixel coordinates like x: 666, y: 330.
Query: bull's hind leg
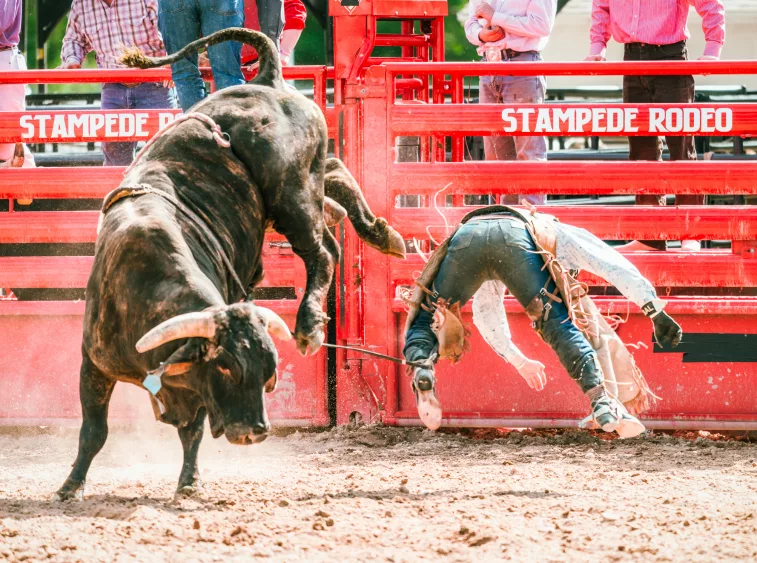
x: 95, y: 390
x: 191, y: 436
x: 342, y: 187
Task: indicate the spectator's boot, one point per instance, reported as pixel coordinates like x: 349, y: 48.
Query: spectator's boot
x: 429, y: 408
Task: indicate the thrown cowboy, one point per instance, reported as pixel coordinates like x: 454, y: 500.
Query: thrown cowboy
x: 536, y: 258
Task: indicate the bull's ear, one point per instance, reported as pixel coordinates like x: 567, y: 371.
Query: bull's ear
x: 180, y: 363
x: 270, y: 385
x: 274, y: 323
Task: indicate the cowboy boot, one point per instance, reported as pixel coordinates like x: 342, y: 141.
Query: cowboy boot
x: 429, y: 408
x: 610, y: 415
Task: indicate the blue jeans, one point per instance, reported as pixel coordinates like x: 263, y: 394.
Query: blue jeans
x: 515, y: 90
x: 502, y: 249
x: 184, y: 21
x: 149, y: 95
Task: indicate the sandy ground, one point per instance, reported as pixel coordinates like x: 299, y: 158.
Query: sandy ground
x: 379, y: 494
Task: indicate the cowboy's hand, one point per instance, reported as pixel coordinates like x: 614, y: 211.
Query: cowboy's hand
x: 667, y: 332
x: 485, y: 11
x: 491, y: 33
x: 70, y: 65
x: 168, y: 84
x: 533, y: 372
x: 708, y: 58
x: 595, y: 58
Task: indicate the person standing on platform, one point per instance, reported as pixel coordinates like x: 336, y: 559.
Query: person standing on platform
x: 517, y: 31
x: 107, y: 27
x: 656, y: 30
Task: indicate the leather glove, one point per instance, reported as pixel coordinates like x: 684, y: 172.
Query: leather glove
x: 667, y: 332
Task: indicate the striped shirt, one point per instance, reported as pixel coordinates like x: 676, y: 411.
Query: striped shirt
x: 526, y: 23
x: 656, y: 22
x: 95, y: 26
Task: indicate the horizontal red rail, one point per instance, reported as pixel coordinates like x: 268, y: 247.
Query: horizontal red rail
x: 75, y: 182
x: 396, y: 40
x: 663, y: 269
x: 67, y: 227
x: 48, y: 227
x: 80, y: 126
x: 80, y: 76
x: 676, y: 305
x: 574, y: 119
x: 60, y: 308
x: 95, y: 125
x: 607, y: 222
x: 73, y: 271
x: 623, y: 68
x: 577, y: 177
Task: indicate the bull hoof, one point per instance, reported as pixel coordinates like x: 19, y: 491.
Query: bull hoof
x: 68, y: 493
x: 308, y: 345
x: 386, y: 239
x: 188, y: 491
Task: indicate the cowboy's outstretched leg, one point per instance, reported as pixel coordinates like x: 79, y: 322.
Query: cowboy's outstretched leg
x: 461, y: 273
x: 516, y: 263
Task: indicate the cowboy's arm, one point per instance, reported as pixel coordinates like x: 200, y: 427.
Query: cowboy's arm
x: 490, y: 318
x: 579, y: 249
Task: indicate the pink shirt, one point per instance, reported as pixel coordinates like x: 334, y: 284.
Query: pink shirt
x: 657, y: 22
x: 527, y: 23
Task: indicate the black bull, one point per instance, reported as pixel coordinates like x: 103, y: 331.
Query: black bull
x: 182, y: 238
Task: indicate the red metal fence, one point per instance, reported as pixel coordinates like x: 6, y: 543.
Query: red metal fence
x: 41, y: 339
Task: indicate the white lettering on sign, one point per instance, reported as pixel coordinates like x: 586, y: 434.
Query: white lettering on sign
x: 59, y: 127
x: 616, y: 120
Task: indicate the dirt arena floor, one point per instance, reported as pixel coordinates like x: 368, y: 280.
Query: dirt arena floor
x: 380, y: 494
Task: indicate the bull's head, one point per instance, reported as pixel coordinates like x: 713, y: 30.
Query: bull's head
x: 230, y: 360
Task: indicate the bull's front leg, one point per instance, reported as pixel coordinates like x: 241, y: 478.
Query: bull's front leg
x: 320, y: 262
x: 95, y: 390
x: 191, y: 436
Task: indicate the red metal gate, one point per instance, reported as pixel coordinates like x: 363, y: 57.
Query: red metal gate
x: 375, y: 102
x: 485, y: 391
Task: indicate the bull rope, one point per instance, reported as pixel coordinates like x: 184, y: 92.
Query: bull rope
x: 221, y: 138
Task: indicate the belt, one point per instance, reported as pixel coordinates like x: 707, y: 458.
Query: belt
x: 509, y: 53
x: 641, y: 45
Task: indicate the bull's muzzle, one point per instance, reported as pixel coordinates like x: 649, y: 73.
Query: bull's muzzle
x: 244, y: 435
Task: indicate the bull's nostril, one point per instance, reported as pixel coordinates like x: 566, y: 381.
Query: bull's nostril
x: 258, y: 430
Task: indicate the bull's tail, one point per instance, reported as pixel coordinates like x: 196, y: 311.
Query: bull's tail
x: 269, y: 72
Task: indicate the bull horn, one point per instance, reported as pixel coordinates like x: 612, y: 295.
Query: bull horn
x: 188, y: 325
x: 274, y: 323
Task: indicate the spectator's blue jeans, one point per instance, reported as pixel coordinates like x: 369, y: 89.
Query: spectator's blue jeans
x: 502, y: 249
x: 149, y: 95
x: 184, y: 21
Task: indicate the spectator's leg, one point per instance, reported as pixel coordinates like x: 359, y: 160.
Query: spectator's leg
x: 271, y: 17
x: 526, y: 90
x: 496, y: 148
x: 153, y: 95
x: 12, y: 96
x: 636, y: 91
x: 180, y: 25
x: 225, y: 58
x: 114, y: 96
x: 678, y: 90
